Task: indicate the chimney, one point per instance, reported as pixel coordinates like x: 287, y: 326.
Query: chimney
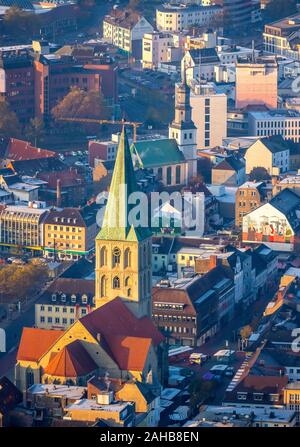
x: 58, y: 193
x: 213, y: 260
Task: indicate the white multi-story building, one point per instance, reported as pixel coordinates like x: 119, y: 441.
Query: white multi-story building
x: 209, y: 114
x: 181, y: 17
x: 285, y: 122
x: 125, y: 29
x: 281, y: 37
x: 155, y: 49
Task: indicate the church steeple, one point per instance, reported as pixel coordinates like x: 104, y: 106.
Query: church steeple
x: 182, y: 127
x: 123, y: 251
x: 116, y: 224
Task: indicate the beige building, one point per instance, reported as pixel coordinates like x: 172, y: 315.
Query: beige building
x: 271, y: 153
x: 249, y: 196
x: 155, y: 49
x: 209, y: 113
x: 256, y: 83
x: 182, y: 17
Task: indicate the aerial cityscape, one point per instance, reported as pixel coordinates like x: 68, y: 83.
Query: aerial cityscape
x: 149, y: 215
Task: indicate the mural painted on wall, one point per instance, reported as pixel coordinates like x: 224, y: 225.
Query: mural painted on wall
x: 267, y: 229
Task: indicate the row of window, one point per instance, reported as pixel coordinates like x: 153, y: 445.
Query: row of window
x: 57, y: 320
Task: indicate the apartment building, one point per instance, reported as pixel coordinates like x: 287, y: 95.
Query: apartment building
x: 256, y: 82
x: 209, y: 114
x: 17, y: 81
x: 125, y: 29
x: 271, y: 153
x: 282, y: 37
x: 238, y: 14
x: 21, y: 227
x: 171, y: 17
x: 64, y: 302
x: 156, y: 49
x: 69, y: 233
x: 283, y: 122
x: 249, y: 196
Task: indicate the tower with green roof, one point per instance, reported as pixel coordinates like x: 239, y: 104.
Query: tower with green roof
x: 123, y: 250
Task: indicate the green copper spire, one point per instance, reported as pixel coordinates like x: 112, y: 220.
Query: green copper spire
x: 115, y: 223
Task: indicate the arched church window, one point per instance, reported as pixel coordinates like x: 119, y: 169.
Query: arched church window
x: 116, y: 256
x: 129, y: 292
x: 178, y: 174
x: 103, y: 284
x: 169, y: 175
x: 116, y: 282
x: 103, y: 256
x: 127, y: 281
x: 127, y: 258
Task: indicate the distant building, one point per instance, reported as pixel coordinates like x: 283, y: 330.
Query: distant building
x: 285, y: 122
x: 238, y: 14
x: 256, y: 82
x: 209, y: 113
x: 164, y: 158
x: 271, y: 153
x: 64, y: 302
x: 282, y: 37
x: 103, y: 150
x: 230, y: 172
x: 125, y: 29
x: 69, y: 233
x: 155, y: 49
x: 182, y: 17
x: 10, y: 397
x: 249, y: 196
x: 200, y: 64
x: 275, y: 224
x: 21, y: 227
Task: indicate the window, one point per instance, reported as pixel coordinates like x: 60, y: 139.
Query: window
x: 57, y: 320
x: 64, y: 320
x: 178, y: 174
x: 127, y: 258
x: 103, y: 256
x: 116, y: 256
x: 42, y: 319
x: 169, y: 175
x: 116, y: 282
x: 103, y: 284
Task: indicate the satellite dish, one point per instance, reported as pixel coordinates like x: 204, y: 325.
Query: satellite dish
x: 2, y: 340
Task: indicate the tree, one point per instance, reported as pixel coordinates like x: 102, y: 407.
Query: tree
x: 80, y: 104
x: 17, y: 282
x: 259, y: 174
x: 9, y: 123
x: 21, y: 23
x: 200, y: 390
x: 277, y: 9
x: 245, y: 332
x: 35, y: 130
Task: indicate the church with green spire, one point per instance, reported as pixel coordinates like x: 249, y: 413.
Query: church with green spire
x: 123, y: 251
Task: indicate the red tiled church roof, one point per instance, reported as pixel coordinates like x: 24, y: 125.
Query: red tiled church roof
x: 35, y: 342
x: 72, y: 361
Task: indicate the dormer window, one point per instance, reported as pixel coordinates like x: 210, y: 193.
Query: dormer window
x: 84, y: 299
x: 73, y: 298
x: 258, y: 396
x: 242, y: 396
x: 53, y: 297
x: 63, y: 297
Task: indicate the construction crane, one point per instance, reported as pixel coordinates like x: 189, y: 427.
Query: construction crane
x: 134, y: 124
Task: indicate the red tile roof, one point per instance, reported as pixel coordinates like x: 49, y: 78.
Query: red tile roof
x: 67, y: 178
x: 72, y: 361
x: 35, y: 342
x: 130, y: 353
x: 114, y: 318
x: 23, y: 150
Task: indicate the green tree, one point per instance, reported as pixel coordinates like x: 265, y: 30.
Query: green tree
x: 9, y: 124
x: 259, y: 174
x: 35, y: 130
